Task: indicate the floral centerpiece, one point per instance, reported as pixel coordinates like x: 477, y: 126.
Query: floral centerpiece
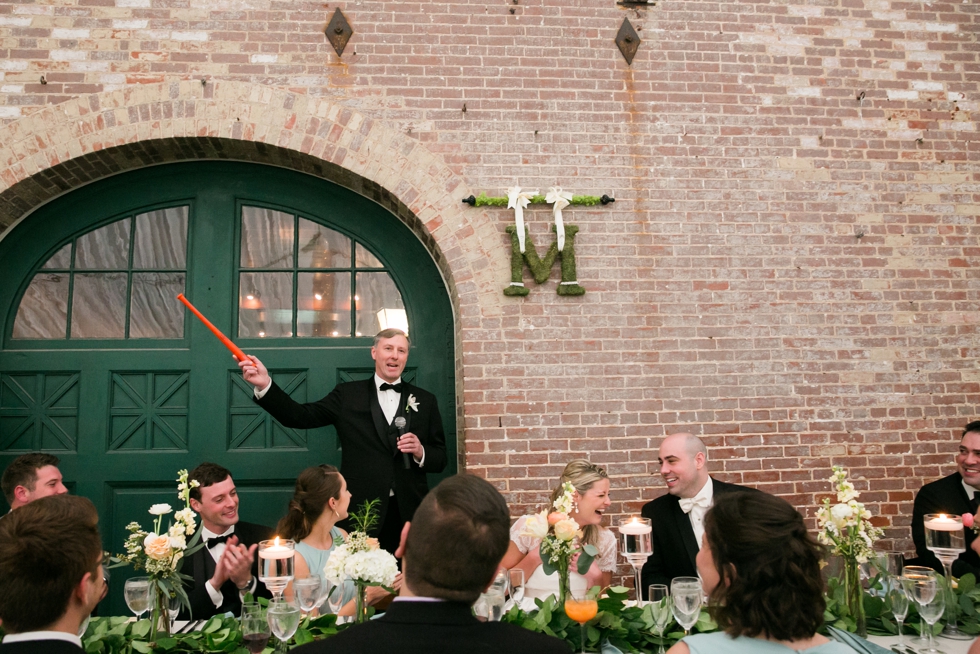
x: 846, y: 528
x: 362, y: 560
x: 560, y: 537
x: 160, y: 551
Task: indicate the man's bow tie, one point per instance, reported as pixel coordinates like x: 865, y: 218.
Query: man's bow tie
x: 392, y: 387
x: 214, y: 540
x: 688, y: 503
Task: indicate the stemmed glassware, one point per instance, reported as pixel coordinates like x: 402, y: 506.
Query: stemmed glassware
x: 333, y: 595
x: 659, y: 603
x: 283, y: 618
x: 636, y: 545
x: 581, y: 608
x: 686, y: 597
x: 517, y: 586
x: 931, y: 612
x: 255, y: 629
x: 276, y: 564
x: 307, y: 592
x: 137, y: 592
x: 898, y: 602
x: 944, y: 537
x: 921, y: 586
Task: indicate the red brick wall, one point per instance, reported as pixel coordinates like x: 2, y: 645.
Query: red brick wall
x: 790, y: 267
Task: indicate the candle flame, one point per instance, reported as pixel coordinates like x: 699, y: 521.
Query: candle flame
x: 276, y: 544
x: 942, y: 516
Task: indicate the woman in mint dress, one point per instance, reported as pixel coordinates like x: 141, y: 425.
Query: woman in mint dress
x: 761, y: 570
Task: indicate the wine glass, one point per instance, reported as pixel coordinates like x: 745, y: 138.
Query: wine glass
x: 137, y: 593
x: 334, y: 597
x: 255, y: 630
x: 283, y: 618
x: 581, y: 608
x: 944, y: 537
x: 920, y: 585
x: 686, y: 596
x: 517, y: 586
x: 659, y: 603
x: 898, y: 602
x: 931, y: 611
x: 307, y: 591
x: 276, y: 559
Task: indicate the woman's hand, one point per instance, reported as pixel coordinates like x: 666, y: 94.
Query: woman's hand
x: 374, y: 594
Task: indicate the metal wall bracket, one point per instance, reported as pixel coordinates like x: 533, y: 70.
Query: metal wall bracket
x: 628, y: 40
x: 338, y: 32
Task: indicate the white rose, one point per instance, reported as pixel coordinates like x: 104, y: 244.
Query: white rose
x: 160, y: 509
x: 536, y: 525
x: 566, y: 529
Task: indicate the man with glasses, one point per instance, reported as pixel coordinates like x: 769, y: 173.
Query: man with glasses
x: 51, y: 574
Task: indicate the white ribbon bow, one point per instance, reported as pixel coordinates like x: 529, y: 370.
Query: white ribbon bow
x: 559, y: 199
x: 688, y: 503
x: 517, y: 201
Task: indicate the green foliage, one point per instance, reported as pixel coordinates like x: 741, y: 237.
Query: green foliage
x: 366, y: 517
x: 541, y: 267
x: 483, y: 200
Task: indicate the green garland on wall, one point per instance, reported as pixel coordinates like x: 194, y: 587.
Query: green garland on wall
x: 541, y: 268
x: 484, y: 200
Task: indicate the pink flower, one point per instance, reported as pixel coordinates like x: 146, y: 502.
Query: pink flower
x: 967, y: 520
x: 555, y: 517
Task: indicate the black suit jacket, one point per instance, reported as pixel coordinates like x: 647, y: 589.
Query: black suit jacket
x: 194, y: 566
x: 370, y: 460
x: 425, y: 627
x: 944, y: 496
x: 674, y: 544
x: 41, y: 647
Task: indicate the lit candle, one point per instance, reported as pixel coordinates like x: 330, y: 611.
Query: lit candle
x: 635, y: 528
x: 945, y: 523
x: 277, y: 551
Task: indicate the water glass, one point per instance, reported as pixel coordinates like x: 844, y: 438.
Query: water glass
x: 931, y: 611
x: 898, y: 603
x: 283, y: 618
x: 686, y: 597
x: 490, y: 605
x: 137, y: 592
x: 307, y: 592
x: 920, y: 585
x: 517, y: 586
x: 659, y: 605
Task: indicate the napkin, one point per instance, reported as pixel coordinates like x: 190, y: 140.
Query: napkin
x: 855, y: 642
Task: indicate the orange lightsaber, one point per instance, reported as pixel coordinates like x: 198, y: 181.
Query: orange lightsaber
x: 237, y: 351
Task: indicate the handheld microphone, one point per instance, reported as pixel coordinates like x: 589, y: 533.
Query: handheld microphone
x: 400, y: 423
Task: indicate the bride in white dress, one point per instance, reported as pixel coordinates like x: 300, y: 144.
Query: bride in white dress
x: 591, y: 500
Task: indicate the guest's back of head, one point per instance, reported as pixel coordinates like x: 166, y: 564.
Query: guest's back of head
x: 457, y: 538
x: 766, y: 568
x: 46, y: 548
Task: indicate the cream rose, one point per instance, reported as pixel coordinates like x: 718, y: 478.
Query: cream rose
x: 157, y: 547
x: 536, y: 525
x: 566, y: 529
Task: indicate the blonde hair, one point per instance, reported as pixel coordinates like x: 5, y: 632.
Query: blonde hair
x: 583, y: 475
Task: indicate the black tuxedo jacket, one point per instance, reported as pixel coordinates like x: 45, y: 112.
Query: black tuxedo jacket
x: 425, y: 627
x: 195, y: 566
x: 370, y: 460
x: 41, y: 647
x: 674, y: 544
x: 944, y: 496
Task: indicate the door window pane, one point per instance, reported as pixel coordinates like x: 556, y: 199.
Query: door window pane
x: 267, y: 238
x: 321, y: 247
x: 155, y: 311
x: 161, y: 239
x: 106, y: 248
x: 365, y: 259
x: 324, y: 305
x: 43, y: 312
x: 60, y: 259
x: 265, y: 305
x: 376, y: 291
x: 98, y: 307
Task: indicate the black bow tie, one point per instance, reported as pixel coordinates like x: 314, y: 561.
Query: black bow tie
x: 394, y: 387
x: 214, y: 540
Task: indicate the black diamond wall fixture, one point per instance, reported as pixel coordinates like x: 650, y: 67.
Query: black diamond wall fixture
x: 627, y: 39
x: 338, y: 32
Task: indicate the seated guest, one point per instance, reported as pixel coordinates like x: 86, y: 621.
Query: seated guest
x: 955, y: 494
x: 678, y: 516
x: 450, y: 552
x: 321, y: 499
x: 50, y: 573
x: 591, y: 499
x: 761, y: 570
x: 225, y: 568
x: 31, y: 476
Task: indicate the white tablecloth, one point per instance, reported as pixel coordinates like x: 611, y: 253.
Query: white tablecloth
x: 942, y: 644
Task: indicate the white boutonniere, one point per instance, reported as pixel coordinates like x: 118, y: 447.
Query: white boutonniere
x: 412, y: 404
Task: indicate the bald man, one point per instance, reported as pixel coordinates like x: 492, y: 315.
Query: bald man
x: 678, y: 516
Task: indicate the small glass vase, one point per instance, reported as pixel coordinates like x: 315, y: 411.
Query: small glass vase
x: 360, y: 603
x: 854, y: 594
x: 561, y: 569
x: 160, y: 618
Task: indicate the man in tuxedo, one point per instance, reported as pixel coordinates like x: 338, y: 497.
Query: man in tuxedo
x: 30, y: 477
x: 450, y: 552
x: 50, y: 573
x: 955, y: 494
x: 376, y: 461
x: 226, y: 567
x: 678, y: 516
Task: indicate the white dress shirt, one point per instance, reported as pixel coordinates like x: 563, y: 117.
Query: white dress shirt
x: 29, y: 636
x: 702, y: 502
x: 216, y: 597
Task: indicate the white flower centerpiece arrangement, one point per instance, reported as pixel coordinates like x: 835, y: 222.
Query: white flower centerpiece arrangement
x: 560, y: 539
x: 160, y: 551
x: 845, y: 527
x: 361, y: 559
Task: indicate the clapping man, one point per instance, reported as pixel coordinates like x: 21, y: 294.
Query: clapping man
x: 225, y: 568
x: 50, y: 574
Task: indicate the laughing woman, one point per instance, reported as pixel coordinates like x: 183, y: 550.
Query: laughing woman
x: 591, y: 498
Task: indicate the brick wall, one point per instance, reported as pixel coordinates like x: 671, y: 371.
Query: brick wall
x: 790, y: 268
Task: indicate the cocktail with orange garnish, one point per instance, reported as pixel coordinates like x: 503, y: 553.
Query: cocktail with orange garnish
x: 581, y: 607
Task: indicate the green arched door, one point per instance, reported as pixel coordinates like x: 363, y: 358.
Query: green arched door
x: 102, y: 367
